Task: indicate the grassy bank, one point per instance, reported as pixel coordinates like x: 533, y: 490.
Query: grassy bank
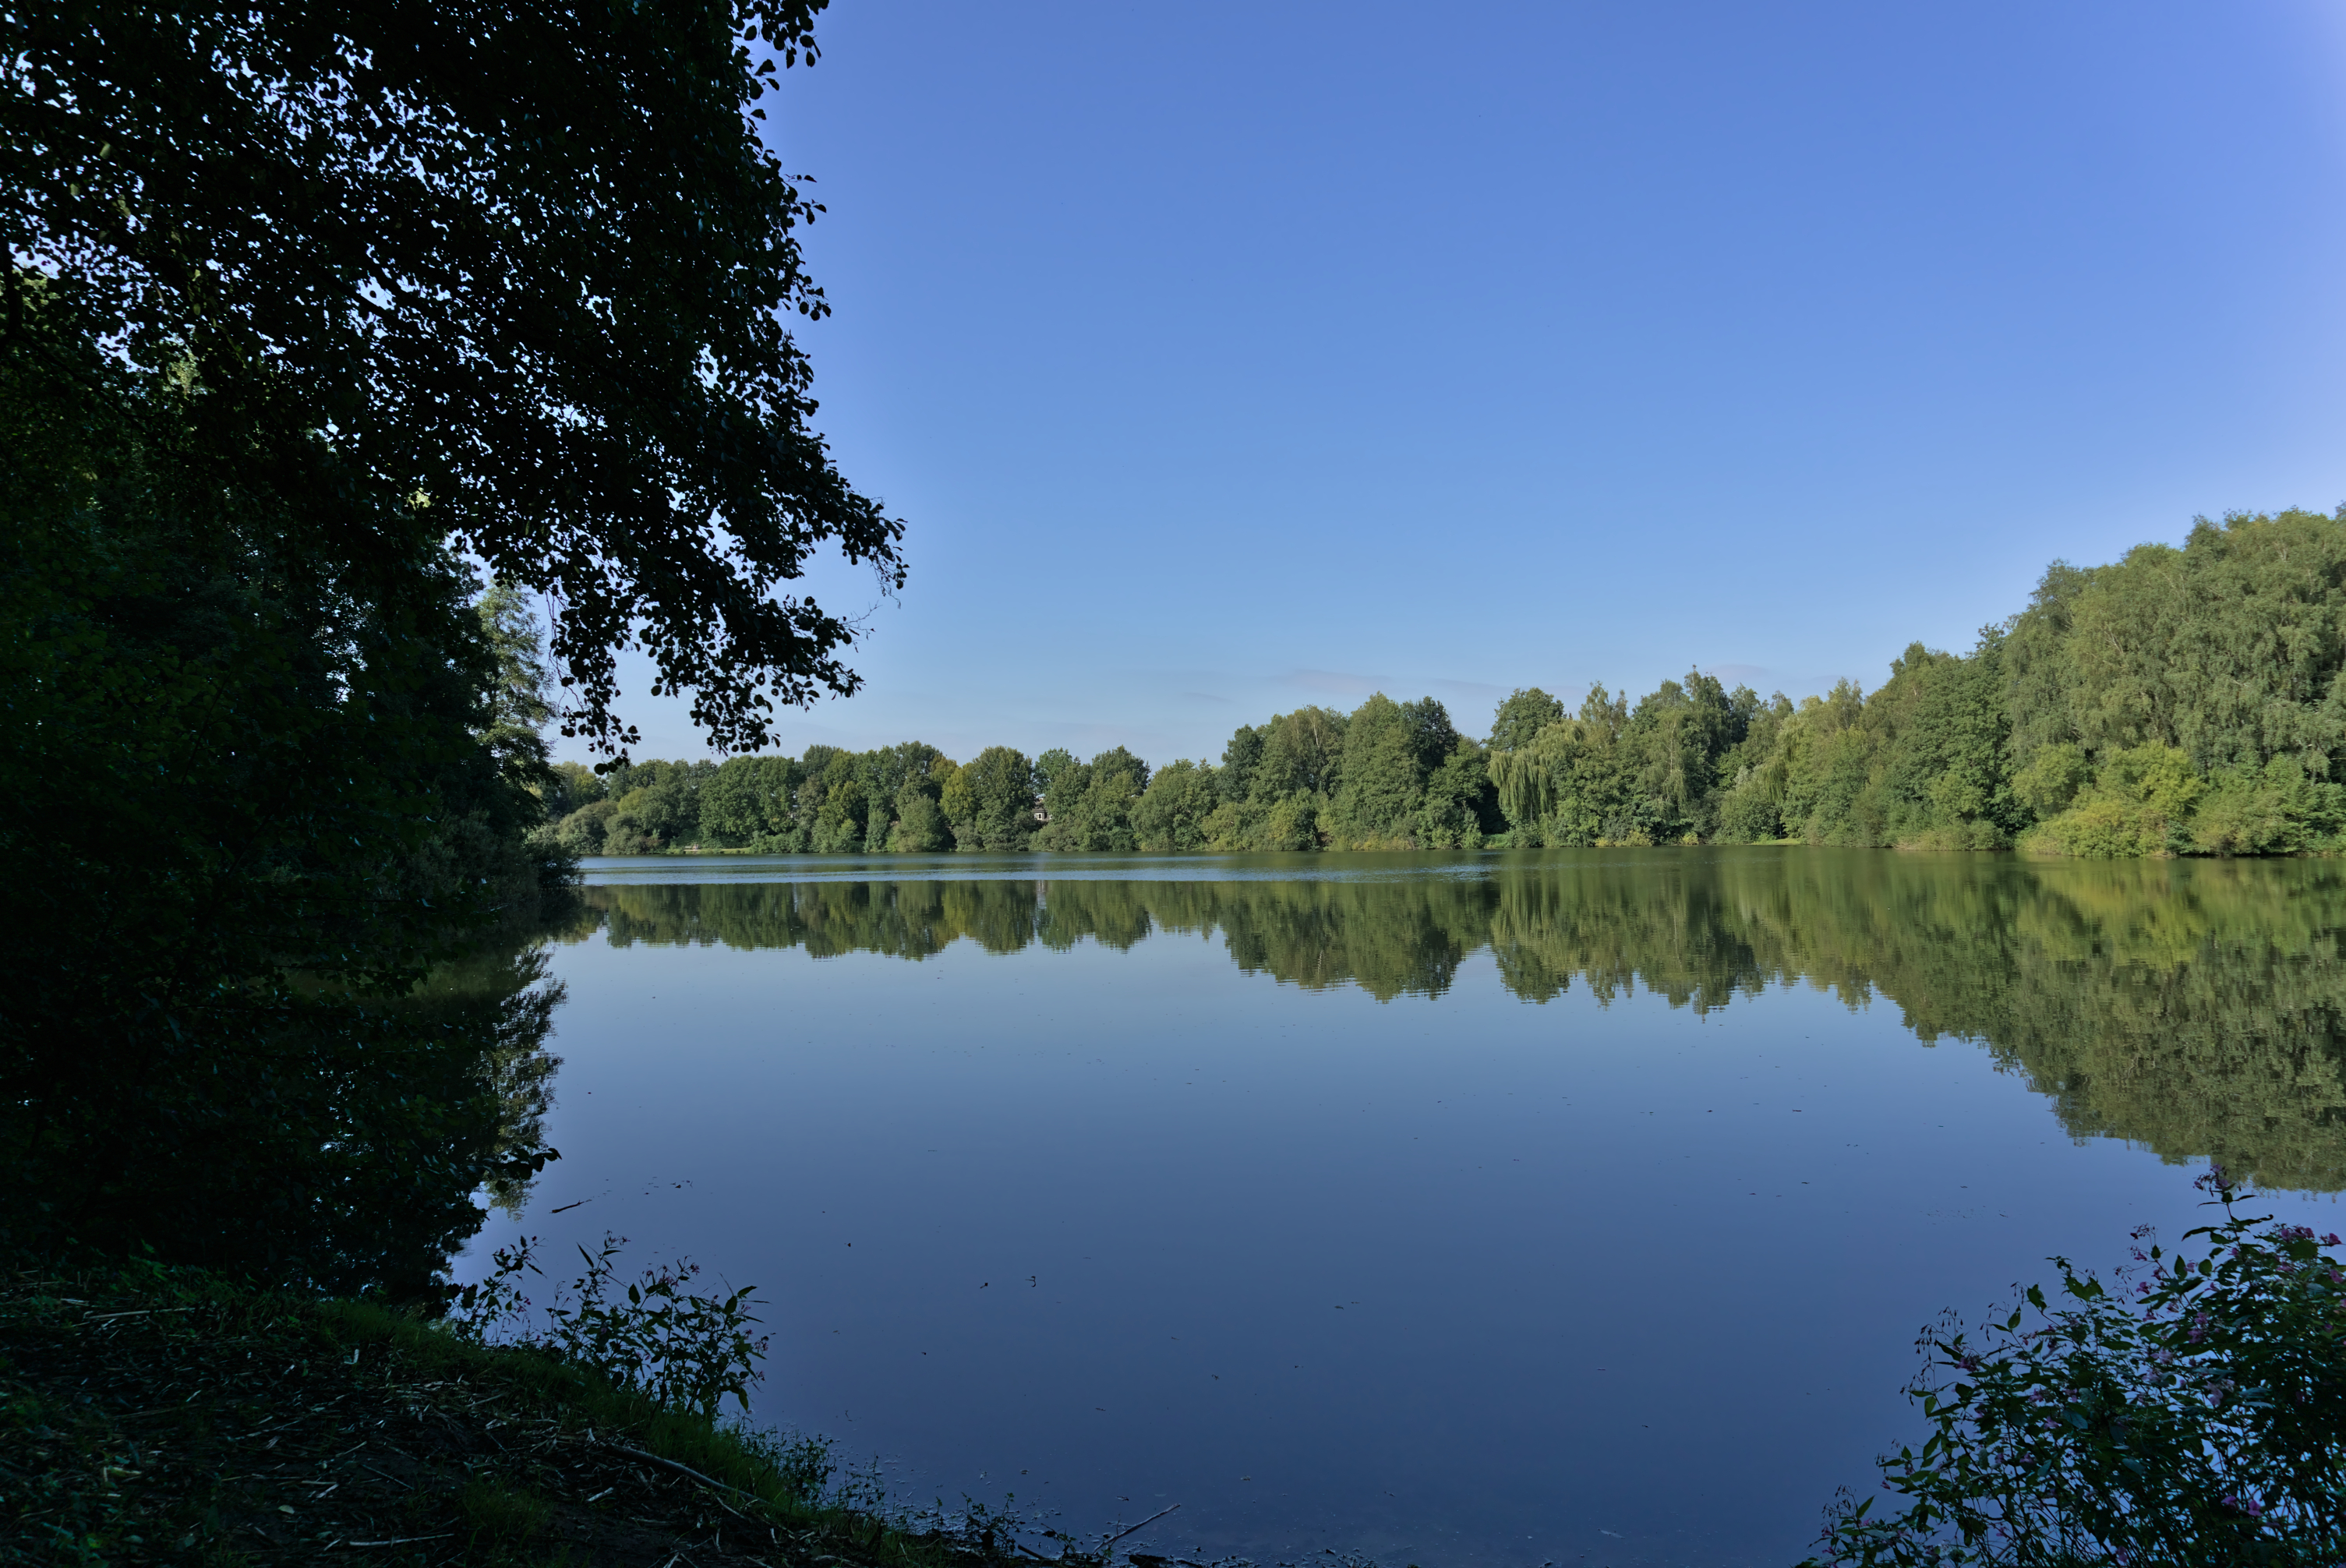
x: 158, y: 1415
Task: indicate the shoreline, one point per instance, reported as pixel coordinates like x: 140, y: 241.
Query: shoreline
x: 132, y: 1430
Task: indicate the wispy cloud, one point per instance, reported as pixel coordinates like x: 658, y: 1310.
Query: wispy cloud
x: 1332, y: 680
x: 1206, y: 697
x: 1481, y: 689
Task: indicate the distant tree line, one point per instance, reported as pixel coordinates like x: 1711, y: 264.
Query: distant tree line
x: 2178, y: 701
x: 1388, y: 775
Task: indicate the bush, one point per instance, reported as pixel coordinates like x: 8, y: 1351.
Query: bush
x: 920, y: 827
x: 681, y: 1349
x: 2052, y: 778
x: 2203, y: 1421
x: 582, y: 832
x: 1293, y: 823
x: 2137, y: 804
x: 1748, y: 816
x: 2268, y: 811
x: 2104, y: 829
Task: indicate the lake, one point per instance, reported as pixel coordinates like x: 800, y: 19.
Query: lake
x: 1520, y: 1208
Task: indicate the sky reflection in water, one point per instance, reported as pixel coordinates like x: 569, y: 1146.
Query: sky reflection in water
x: 1570, y: 1208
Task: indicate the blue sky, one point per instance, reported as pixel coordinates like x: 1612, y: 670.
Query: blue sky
x: 1222, y: 359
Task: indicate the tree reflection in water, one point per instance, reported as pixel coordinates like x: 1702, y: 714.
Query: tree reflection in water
x: 2190, y: 1007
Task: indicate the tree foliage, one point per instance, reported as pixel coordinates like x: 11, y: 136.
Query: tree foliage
x: 519, y: 277
x: 2225, y: 653
x: 1090, y: 805
x: 1390, y: 775
x: 2178, y: 701
x: 266, y: 796
x: 310, y: 321
x: 2196, y: 1418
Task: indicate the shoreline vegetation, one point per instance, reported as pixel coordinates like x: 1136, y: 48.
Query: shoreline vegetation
x: 160, y: 1413
x: 2179, y: 701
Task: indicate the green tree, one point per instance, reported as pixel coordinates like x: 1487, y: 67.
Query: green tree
x: 842, y: 807
x: 1091, y: 804
x: 1572, y: 783
x: 2033, y: 737
x: 1056, y: 769
x: 1390, y: 749
x: 532, y: 275
x: 2275, y: 810
x: 814, y: 791
x: 1670, y: 751
x: 1828, y: 770
x: 225, y: 1052
x: 1459, y: 809
x: 573, y: 785
x: 1752, y: 777
x: 1236, y: 777
x: 2138, y: 804
x: 748, y: 800
x: 887, y: 773
x: 1521, y: 717
x: 1946, y: 780
x: 1303, y: 753
x: 305, y: 315
x: 920, y: 827
x: 1175, y: 814
x: 989, y: 801
x: 521, y: 696
x: 656, y: 804
x: 586, y: 831
x: 1294, y: 767
x: 1060, y: 780
x: 2230, y: 648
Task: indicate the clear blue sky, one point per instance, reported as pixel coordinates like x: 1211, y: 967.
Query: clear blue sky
x: 1227, y: 358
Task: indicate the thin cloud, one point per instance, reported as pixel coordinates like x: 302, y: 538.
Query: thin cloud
x: 1332, y: 680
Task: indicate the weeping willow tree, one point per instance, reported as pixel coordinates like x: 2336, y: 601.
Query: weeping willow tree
x: 1526, y: 778
x: 1572, y: 784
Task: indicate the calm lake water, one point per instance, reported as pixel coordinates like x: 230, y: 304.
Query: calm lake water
x: 1555, y: 1207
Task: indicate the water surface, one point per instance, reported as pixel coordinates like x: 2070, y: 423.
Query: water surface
x: 1558, y: 1207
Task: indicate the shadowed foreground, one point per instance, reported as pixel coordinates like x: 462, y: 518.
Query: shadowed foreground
x: 159, y: 1417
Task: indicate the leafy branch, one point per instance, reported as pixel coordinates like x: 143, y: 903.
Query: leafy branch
x: 2199, y: 1417
x: 680, y: 1348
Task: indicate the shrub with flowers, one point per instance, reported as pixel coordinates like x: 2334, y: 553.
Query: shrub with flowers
x: 2195, y: 1413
